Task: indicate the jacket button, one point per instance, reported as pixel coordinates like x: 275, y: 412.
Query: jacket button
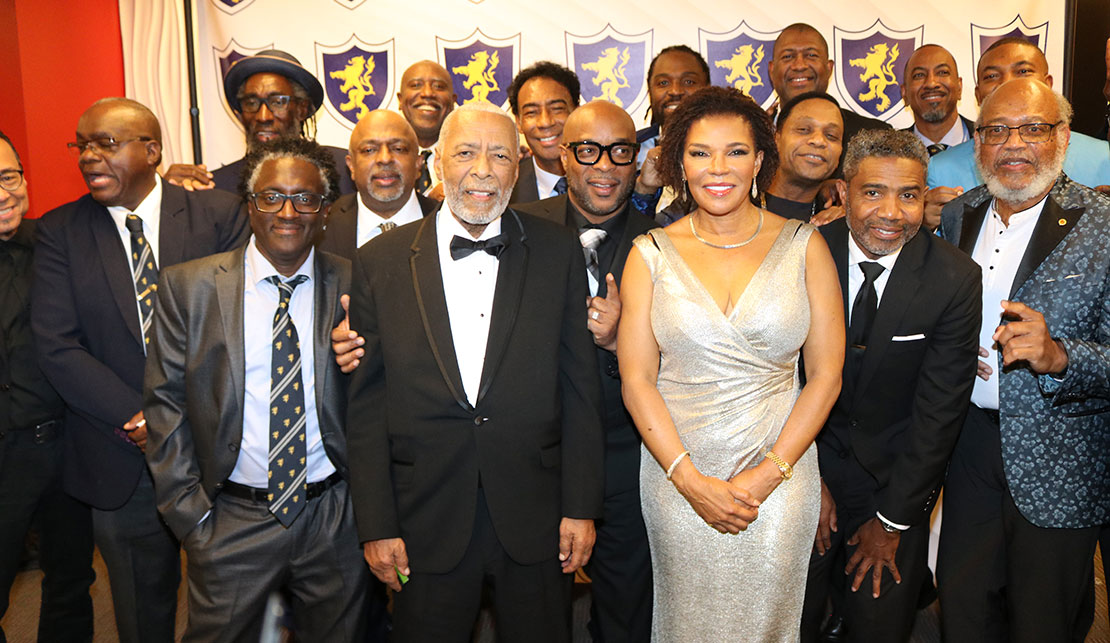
x: 233, y: 447
x: 479, y: 420
x: 5, y: 387
x: 219, y: 485
x: 854, y: 423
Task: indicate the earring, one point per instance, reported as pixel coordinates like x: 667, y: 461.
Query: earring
x: 755, y: 190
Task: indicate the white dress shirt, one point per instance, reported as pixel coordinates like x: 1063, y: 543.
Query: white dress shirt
x: 260, y: 300
x: 468, y: 288
x: 150, y: 211
x: 369, y: 221
x: 956, y: 135
x: 998, y: 252
x: 545, y: 181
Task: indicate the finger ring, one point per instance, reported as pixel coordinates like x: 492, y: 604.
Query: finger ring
x: 595, y: 314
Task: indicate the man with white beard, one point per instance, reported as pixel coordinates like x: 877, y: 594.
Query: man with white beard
x: 474, y: 413
x: 1029, y: 482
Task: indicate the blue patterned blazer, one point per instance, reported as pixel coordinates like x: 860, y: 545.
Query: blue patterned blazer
x: 1056, y: 433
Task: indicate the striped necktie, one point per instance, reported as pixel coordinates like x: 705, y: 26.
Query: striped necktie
x: 144, y: 272
x: 591, y: 238
x: 288, y: 470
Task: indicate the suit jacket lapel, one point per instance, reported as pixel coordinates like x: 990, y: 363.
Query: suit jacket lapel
x: 326, y: 296
x: 970, y: 225
x: 229, y: 282
x: 172, y: 232
x: 343, y: 226
x: 836, y: 234
x: 1052, y: 225
x: 624, y: 245
x: 427, y: 281
x: 116, y: 263
x: 506, y: 297
x: 900, y: 289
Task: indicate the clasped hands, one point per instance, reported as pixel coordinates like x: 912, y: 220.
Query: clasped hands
x: 1025, y: 338
x: 727, y: 506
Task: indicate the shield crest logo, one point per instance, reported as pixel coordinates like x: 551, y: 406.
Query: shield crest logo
x: 349, y: 4
x: 481, y: 68
x: 612, y: 66
x: 983, y: 37
x: 357, y: 77
x: 869, y: 67
x: 231, y: 6
x: 741, y: 58
x: 223, y: 60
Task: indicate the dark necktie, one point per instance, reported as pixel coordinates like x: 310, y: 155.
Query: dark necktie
x: 462, y: 247
x: 561, y: 185
x: 288, y: 471
x: 865, y: 305
x: 386, y: 226
x: 144, y: 272
x: 936, y: 148
x: 591, y: 238
x: 424, y: 181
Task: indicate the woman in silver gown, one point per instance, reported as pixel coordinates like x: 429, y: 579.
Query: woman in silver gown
x: 716, y: 308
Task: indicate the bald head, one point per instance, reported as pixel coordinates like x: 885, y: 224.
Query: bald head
x: 800, y: 62
x: 121, y: 149
x: 141, y: 119
x: 599, y: 186
x: 426, y: 98
x: 596, y: 113
x: 1008, y: 59
x: 384, y: 161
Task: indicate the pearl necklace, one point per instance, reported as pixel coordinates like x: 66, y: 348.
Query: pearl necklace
x: 728, y: 246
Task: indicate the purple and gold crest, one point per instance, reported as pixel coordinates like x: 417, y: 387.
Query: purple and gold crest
x: 983, y: 37
x: 224, y: 59
x: 357, y: 77
x: 481, y: 68
x: 611, y: 66
x: 869, y: 67
x: 741, y: 58
x: 231, y: 6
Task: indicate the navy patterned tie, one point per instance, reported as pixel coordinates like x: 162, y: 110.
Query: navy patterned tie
x: 561, y: 186
x: 288, y: 469
x: 144, y: 272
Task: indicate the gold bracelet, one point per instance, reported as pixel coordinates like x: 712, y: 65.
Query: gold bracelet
x: 784, y: 467
x: 674, y: 464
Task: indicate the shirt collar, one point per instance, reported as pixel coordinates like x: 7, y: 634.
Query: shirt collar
x: 148, y: 210
x: 448, y: 226
x: 408, y: 213
x: 1032, y: 213
x: 545, y: 180
x: 258, y: 268
x: 956, y: 135
x: 856, y: 256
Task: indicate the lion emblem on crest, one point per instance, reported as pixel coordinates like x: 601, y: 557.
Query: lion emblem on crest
x: 357, y: 79
x: 609, y: 68
x: 479, y: 75
x: 878, y: 72
x: 743, y: 72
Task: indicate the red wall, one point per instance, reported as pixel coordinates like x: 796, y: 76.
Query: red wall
x: 58, y: 56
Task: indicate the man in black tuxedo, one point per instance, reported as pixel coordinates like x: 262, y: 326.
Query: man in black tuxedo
x: 384, y: 162
x: 541, y: 97
x: 473, y: 417
x: 95, y: 281
x: 249, y: 493
x: 931, y: 86
x: 599, y: 154
x: 914, y: 305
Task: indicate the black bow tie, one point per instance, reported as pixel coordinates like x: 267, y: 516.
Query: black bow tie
x: 461, y: 247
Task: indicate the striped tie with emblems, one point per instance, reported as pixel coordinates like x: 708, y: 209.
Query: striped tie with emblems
x: 144, y: 272
x: 288, y: 470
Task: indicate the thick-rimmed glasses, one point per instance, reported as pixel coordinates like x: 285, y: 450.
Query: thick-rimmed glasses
x: 273, y: 202
x: 104, y: 146
x: 589, y: 152
x: 278, y: 104
x: 1029, y: 132
x: 10, y: 180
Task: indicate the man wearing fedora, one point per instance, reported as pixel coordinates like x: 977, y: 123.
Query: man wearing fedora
x: 274, y: 97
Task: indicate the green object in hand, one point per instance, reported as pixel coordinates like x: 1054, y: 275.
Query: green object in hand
x: 404, y: 579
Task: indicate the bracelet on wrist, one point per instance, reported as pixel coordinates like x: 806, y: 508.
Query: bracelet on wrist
x: 784, y: 467
x: 674, y: 463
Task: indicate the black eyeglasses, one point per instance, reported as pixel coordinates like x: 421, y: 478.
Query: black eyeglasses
x: 1029, y: 132
x: 278, y: 104
x: 589, y: 152
x: 104, y: 146
x: 10, y: 180
x: 273, y: 202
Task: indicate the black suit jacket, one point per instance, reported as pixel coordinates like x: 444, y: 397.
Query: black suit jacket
x: 900, y: 418
x: 341, y: 233
x: 622, y: 441
x: 228, y: 176
x: 194, y: 385
x: 525, y: 190
x: 533, y: 441
x: 86, y: 324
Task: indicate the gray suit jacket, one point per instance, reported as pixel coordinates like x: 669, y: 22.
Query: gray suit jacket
x: 194, y: 385
x: 1056, y: 434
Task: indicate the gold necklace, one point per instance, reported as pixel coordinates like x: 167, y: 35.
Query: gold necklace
x: 727, y: 246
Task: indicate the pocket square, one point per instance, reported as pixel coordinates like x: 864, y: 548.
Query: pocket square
x: 907, y: 338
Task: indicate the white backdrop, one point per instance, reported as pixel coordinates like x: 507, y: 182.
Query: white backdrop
x: 359, y: 48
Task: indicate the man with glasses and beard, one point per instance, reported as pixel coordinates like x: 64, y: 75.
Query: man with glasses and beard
x: 473, y: 416
x: 599, y: 155
x: 274, y: 97
x: 1029, y: 482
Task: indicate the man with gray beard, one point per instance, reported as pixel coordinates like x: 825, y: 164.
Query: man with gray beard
x: 474, y: 413
x: 1029, y: 482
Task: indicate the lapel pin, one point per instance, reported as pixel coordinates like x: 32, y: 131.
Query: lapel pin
x: 1062, y: 222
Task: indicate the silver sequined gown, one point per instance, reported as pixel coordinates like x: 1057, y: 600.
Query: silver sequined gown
x: 729, y: 383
